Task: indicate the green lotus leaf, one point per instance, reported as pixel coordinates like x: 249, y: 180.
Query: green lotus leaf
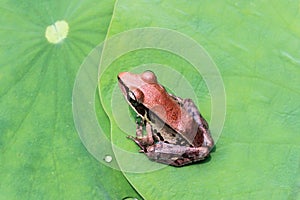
x: 42, y: 47
x: 254, y: 44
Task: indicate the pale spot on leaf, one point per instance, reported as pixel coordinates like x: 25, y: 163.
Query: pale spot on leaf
x: 57, y: 32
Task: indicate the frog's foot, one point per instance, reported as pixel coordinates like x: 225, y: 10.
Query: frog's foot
x: 142, y: 142
x: 138, y: 142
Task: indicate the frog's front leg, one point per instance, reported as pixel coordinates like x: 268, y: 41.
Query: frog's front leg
x: 176, y: 155
x: 141, y: 140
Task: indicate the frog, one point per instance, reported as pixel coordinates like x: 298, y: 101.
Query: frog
x: 169, y: 129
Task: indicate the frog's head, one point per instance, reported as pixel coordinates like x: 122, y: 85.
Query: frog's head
x: 136, y: 88
x: 149, y: 99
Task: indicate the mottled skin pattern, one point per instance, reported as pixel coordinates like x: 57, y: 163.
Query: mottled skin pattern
x: 177, y: 134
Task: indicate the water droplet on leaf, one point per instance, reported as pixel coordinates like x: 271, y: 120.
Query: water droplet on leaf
x: 108, y: 158
x: 129, y: 198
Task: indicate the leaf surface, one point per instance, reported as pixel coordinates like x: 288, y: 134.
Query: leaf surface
x: 41, y: 155
x: 254, y: 45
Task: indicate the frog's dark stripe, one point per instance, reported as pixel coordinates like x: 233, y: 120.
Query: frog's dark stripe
x: 160, y: 137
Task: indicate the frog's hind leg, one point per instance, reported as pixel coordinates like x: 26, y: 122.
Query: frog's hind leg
x: 176, y: 155
x: 190, y: 106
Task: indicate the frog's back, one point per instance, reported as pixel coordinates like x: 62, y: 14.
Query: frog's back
x: 179, y: 126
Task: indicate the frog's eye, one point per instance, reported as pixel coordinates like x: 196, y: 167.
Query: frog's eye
x: 149, y: 77
x: 136, y: 95
x: 131, y: 96
x: 139, y: 95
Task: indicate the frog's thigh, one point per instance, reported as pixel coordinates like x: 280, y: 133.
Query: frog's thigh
x: 190, y: 106
x: 175, y: 154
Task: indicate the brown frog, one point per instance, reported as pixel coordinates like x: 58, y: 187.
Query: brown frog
x: 177, y: 134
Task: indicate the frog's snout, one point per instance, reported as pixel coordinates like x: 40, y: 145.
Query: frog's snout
x: 122, y: 74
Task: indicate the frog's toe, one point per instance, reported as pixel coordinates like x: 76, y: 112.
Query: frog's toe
x: 139, y: 142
